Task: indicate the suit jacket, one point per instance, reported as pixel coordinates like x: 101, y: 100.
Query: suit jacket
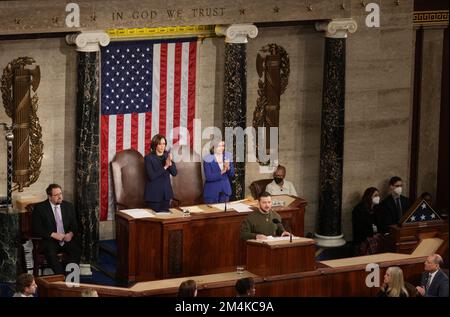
x: 44, y: 223
x: 439, y: 285
x: 389, y: 213
x: 215, y: 181
x: 158, y: 187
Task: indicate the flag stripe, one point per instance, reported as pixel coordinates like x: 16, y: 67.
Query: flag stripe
x: 191, y: 88
x: 170, y: 92
x: 184, y: 86
x: 134, y: 130
x: 126, y: 131
x: 104, y: 124
x: 177, y: 91
x: 163, y: 89
x: 141, y: 133
x: 155, y: 85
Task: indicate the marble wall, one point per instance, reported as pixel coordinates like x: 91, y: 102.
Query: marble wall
x: 430, y: 111
x: 378, y: 104
x: 56, y: 112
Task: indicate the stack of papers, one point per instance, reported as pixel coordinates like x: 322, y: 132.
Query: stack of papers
x: 192, y: 209
x: 138, y: 213
x: 239, y: 207
x: 270, y: 238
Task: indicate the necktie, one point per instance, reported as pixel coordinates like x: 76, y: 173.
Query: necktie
x: 59, y: 222
x: 428, y: 282
x: 399, y: 207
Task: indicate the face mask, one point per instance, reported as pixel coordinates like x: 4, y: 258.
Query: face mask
x: 398, y: 190
x: 278, y: 180
x: 376, y: 200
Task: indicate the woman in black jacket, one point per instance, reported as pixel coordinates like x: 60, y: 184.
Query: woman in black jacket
x: 364, y: 218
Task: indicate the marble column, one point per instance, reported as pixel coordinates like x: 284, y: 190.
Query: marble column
x: 9, y: 224
x: 235, y: 94
x: 329, y: 232
x: 87, y: 146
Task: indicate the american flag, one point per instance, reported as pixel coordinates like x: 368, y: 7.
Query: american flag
x: 422, y: 212
x: 148, y: 87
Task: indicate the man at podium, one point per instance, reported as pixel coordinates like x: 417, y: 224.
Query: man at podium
x: 263, y: 222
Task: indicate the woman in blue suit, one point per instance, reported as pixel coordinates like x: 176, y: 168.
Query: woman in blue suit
x: 218, y: 167
x: 159, y: 166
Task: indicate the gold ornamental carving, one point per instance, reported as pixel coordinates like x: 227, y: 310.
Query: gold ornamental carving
x: 18, y: 86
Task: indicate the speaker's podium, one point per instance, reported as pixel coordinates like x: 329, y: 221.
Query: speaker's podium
x: 418, y: 223
x: 280, y: 256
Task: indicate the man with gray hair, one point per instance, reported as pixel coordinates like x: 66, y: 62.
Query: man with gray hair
x: 434, y: 282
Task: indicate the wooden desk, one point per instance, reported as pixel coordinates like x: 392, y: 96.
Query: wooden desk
x: 175, y: 246
x: 337, y: 279
x: 266, y: 258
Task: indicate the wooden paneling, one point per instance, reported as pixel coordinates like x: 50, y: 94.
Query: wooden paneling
x: 151, y: 248
x: 325, y: 282
x: 407, y: 237
x: 266, y: 260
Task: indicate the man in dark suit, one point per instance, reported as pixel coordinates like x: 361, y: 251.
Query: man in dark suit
x: 434, y: 282
x: 55, y: 221
x: 392, y: 208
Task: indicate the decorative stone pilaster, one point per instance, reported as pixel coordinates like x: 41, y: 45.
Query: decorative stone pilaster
x: 235, y: 95
x: 332, y: 132
x: 9, y: 221
x: 87, y: 146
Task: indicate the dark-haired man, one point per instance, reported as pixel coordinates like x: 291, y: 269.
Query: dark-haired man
x: 25, y: 286
x: 259, y: 223
x: 55, y: 221
x: 392, y: 208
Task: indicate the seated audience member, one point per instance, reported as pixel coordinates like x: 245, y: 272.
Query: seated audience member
x: 427, y: 197
x: 25, y: 286
x: 89, y: 292
x: 394, y: 285
x: 260, y: 223
x: 55, y: 221
x: 434, y: 282
x: 188, y: 289
x: 280, y: 186
x: 245, y: 287
x: 364, y: 221
x: 394, y: 206
x: 218, y: 168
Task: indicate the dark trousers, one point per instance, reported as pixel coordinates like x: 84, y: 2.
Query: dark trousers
x: 159, y: 206
x: 51, y: 248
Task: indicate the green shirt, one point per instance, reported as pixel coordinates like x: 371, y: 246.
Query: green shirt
x: 259, y: 223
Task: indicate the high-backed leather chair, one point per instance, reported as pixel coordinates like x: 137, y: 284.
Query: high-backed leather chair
x: 259, y: 186
x: 129, y: 177
x: 188, y: 184
x: 26, y: 233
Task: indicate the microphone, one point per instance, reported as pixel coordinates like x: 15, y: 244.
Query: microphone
x: 278, y: 223
x: 226, y: 198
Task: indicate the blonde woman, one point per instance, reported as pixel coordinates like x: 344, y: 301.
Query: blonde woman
x: 394, y: 285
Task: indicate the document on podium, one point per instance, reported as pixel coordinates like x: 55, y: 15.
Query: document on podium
x: 192, y: 209
x: 138, y: 213
x: 237, y: 206
x: 271, y: 238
